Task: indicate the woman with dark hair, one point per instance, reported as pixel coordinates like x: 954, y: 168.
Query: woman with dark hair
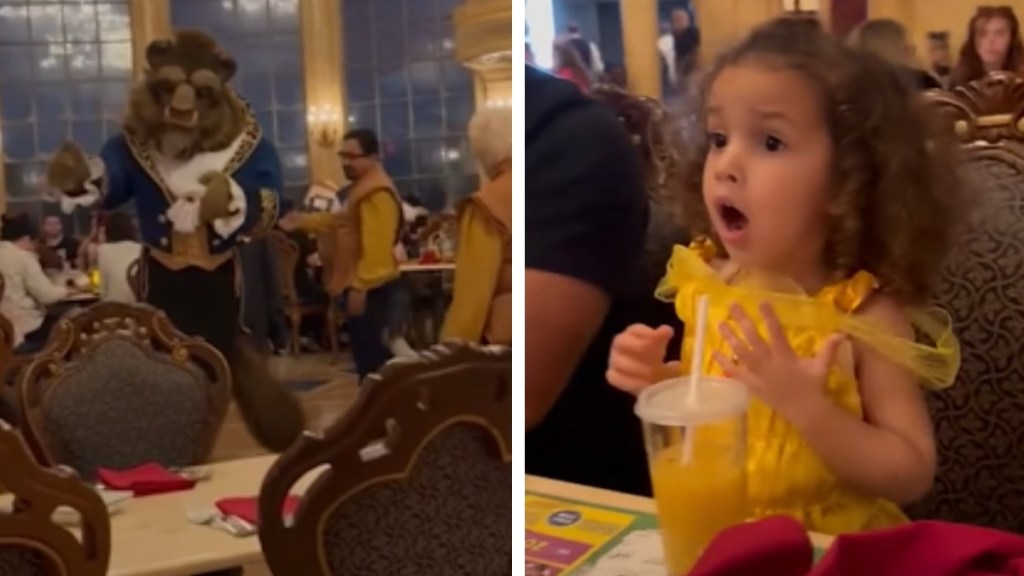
x: 569, y: 66
x: 993, y: 44
x: 27, y: 290
x: 118, y: 249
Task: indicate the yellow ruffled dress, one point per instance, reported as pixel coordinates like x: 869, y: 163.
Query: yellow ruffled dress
x: 784, y: 476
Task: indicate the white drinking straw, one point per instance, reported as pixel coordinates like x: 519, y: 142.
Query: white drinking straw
x: 696, y: 363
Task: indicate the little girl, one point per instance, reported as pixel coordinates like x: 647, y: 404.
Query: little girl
x: 825, y: 200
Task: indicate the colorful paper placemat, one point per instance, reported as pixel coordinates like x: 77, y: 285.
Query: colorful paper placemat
x: 566, y: 537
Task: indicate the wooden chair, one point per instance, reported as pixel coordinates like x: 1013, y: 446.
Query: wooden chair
x: 6, y: 343
x: 419, y: 478
x: 979, y: 424
x: 295, y: 309
x: 8, y: 395
x: 31, y: 543
x: 117, y: 386
x: 135, y: 280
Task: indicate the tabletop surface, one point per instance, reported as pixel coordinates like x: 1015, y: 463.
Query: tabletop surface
x: 418, y: 267
x: 152, y: 536
x: 81, y: 297
x: 556, y: 489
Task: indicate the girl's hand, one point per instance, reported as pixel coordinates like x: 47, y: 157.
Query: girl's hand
x: 637, y: 357
x: 771, y: 370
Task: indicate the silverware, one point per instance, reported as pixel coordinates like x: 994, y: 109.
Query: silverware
x: 210, y: 516
x: 195, y: 474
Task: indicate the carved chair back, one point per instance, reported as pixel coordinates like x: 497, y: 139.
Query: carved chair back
x: 31, y: 542
x: 6, y: 345
x: 288, y: 255
x: 135, y: 279
x: 978, y: 422
x: 418, y: 477
x: 117, y: 386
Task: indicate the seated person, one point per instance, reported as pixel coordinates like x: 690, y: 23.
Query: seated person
x: 481, y: 309
x: 53, y: 238
x: 307, y: 286
x: 117, y: 249
x: 28, y: 291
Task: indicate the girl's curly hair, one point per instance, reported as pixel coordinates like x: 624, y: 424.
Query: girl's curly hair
x: 895, y: 191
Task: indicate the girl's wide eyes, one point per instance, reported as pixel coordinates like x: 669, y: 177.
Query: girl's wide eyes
x: 772, y: 144
x: 718, y: 140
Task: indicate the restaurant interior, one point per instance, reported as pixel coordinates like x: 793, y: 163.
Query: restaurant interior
x: 126, y: 443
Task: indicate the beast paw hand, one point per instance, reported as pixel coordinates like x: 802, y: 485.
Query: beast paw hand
x: 68, y: 170
x: 216, y: 200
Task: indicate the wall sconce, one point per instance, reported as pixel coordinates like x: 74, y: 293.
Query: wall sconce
x: 324, y: 123
x: 499, y: 103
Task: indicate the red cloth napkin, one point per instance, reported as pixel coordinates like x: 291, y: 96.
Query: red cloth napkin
x: 926, y: 549
x: 247, y: 508
x: 144, y: 480
x: 777, y: 546
x: 773, y: 546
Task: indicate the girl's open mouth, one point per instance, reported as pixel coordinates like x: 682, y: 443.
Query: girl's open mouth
x: 733, y: 218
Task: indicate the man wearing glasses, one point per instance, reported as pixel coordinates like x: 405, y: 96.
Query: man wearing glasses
x: 364, y: 269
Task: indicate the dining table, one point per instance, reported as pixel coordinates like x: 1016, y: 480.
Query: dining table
x: 415, y: 267
x: 608, y: 500
x: 152, y: 535
x: 83, y: 297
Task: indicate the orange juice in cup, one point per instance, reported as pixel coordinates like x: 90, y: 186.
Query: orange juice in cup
x: 697, y: 455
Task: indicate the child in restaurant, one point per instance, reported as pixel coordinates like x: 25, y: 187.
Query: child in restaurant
x: 825, y: 200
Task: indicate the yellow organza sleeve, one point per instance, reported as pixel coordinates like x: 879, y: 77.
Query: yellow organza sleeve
x: 934, y: 356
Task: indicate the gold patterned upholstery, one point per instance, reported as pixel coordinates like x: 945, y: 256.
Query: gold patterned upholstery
x: 419, y: 477
x: 979, y: 422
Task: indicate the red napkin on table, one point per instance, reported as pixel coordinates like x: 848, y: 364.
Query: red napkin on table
x: 778, y: 546
x: 247, y: 508
x: 144, y: 480
x: 926, y: 549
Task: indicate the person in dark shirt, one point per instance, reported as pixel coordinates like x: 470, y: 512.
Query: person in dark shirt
x: 686, y: 42
x: 887, y: 39
x: 586, y: 215
x: 53, y: 238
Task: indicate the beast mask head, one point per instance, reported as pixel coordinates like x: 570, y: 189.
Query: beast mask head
x: 184, y: 105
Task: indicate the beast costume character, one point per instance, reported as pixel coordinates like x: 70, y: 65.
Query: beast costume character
x: 202, y: 177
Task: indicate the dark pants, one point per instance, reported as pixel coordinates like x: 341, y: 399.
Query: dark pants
x: 205, y: 303
x: 368, y: 331
x: 35, y: 340
x: 199, y: 302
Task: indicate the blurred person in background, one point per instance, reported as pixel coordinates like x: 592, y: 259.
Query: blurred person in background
x: 117, y: 248
x: 993, y: 44
x: 481, y: 308
x: 686, y: 44
x: 589, y: 53
x: 27, y: 289
x: 667, y: 49
x: 939, y: 57
x: 53, y: 238
x: 569, y: 66
x: 887, y: 39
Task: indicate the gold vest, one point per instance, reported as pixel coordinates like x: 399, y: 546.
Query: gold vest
x: 495, y: 200
x: 340, y: 246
